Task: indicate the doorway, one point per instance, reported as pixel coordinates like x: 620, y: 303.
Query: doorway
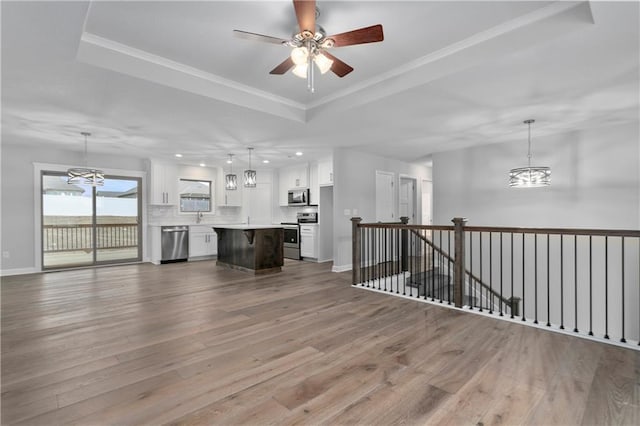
x: 407, y: 198
x: 83, y: 225
x: 427, y: 202
x: 384, y: 197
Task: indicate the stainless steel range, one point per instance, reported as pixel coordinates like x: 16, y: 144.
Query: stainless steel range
x: 291, y: 249
x: 291, y: 245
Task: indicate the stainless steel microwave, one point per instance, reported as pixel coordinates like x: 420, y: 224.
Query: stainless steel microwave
x: 299, y: 197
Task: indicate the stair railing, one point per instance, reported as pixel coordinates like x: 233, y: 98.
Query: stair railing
x: 587, y: 280
x: 511, y: 303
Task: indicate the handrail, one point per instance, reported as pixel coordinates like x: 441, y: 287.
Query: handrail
x: 514, y: 230
x: 433, y: 246
x: 557, y: 231
x: 405, y: 226
x: 504, y: 300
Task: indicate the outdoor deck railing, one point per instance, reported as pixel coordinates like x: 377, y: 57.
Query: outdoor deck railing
x: 583, y: 280
x: 61, y: 238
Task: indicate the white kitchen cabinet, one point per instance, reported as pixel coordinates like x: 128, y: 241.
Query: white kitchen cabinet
x: 309, y: 241
x: 283, y: 186
x: 325, y: 172
x: 203, y: 242
x: 163, y: 184
x: 299, y: 176
x: 233, y: 198
x: 291, y: 178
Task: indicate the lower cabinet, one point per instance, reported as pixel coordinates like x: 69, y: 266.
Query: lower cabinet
x: 203, y: 242
x: 309, y: 241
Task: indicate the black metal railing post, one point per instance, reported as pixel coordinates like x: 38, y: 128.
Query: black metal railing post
x: 404, y: 259
x: 356, y: 247
x: 514, y: 305
x: 458, y: 267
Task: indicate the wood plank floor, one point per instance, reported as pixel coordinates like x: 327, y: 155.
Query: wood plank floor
x: 191, y: 343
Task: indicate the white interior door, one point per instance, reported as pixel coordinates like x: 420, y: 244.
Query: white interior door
x: 384, y: 197
x: 407, y: 197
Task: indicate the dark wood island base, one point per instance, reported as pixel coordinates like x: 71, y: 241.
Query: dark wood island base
x: 255, y: 249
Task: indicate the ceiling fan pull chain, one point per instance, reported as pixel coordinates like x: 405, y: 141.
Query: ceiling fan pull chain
x: 311, y: 53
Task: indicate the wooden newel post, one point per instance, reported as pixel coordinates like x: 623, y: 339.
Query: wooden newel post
x: 404, y: 259
x: 356, y: 246
x: 458, y: 266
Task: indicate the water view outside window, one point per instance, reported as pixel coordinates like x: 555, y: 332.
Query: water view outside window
x: 83, y: 225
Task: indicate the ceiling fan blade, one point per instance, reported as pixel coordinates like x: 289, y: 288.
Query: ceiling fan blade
x: 259, y: 37
x: 370, y: 34
x: 338, y: 67
x: 306, y: 14
x: 283, y: 67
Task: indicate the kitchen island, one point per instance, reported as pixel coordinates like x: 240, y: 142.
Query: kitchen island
x: 250, y: 248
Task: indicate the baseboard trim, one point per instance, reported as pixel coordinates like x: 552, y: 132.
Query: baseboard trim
x: 18, y: 271
x: 341, y: 268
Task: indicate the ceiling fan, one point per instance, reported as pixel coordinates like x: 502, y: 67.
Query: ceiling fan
x: 310, y: 45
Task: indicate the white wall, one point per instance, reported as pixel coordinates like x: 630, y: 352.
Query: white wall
x: 355, y: 189
x: 595, y: 182
x: 18, y: 198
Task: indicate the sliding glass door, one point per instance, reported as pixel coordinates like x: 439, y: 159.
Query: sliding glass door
x: 84, y: 225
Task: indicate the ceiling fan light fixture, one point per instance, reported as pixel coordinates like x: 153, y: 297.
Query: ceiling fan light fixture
x: 300, y: 70
x: 327, y: 43
x: 299, y: 55
x: 324, y: 64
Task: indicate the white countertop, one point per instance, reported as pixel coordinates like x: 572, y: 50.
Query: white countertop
x: 245, y: 227
x: 207, y: 224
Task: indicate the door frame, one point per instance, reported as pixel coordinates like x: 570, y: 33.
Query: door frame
x: 394, y: 194
x: 38, y: 168
x: 414, y: 195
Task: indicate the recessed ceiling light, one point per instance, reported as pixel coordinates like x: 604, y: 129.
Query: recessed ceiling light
x: 179, y: 155
x: 265, y: 161
x: 298, y: 153
x: 202, y: 165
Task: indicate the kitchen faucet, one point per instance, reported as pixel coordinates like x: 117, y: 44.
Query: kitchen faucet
x: 199, y: 217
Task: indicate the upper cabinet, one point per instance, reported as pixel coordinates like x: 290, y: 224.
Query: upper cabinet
x: 325, y: 172
x: 291, y: 178
x: 298, y: 177
x: 163, y: 184
x: 226, y: 197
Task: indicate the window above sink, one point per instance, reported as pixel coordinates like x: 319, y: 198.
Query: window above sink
x: 195, y: 195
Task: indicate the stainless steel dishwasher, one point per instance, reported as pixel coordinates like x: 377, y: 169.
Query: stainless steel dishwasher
x: 175, y: 244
